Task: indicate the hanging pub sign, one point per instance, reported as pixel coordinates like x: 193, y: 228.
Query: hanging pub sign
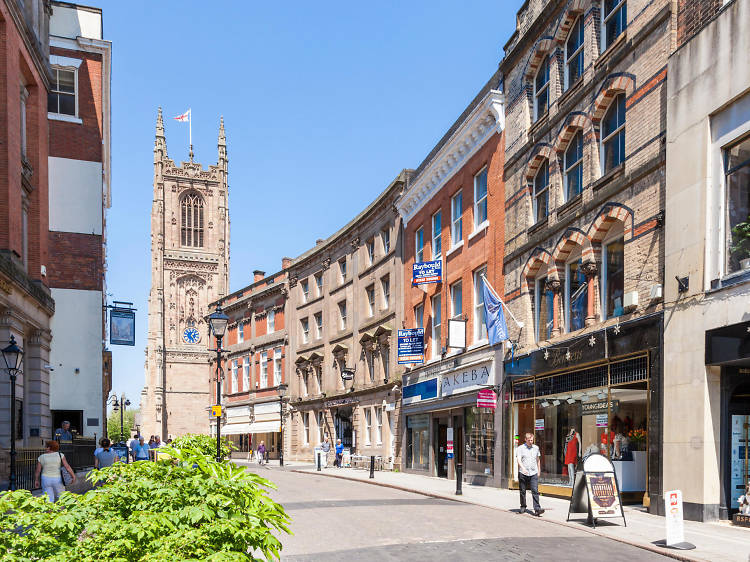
x: 411, y: 346
x: 427, y: 272
x: 122, y: 326
x: 602, y: 492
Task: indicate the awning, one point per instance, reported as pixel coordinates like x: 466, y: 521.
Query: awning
x: 256, y: 427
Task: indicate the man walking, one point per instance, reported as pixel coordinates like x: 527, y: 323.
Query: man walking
x: 325, y: 446
x: 140, y: 451
x: 529, y: 466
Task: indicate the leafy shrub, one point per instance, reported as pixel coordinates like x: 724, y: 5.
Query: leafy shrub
x: 204, y: 444
x: 189, y: 507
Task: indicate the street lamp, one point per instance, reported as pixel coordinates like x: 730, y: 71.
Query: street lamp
x: 282, y: 392
x: 116, y: 406
x: 218, y: 321
x: 13, y: 356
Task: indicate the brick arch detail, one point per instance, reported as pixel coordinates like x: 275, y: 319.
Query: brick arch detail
x: 542, y: 48
x: 570, y: 15
x: 544, y: 152
x: 614, y: 84
x: 609, y: 214
x: 573, y: 122
x: 538, y: 258
x: 571, y: 238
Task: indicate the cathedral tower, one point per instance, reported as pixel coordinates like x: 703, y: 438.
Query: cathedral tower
x: 189, y: 269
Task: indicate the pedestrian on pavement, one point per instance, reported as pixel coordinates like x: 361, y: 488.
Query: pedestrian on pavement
x: 261, y: 452
x: 140, y: 451
x: 100, y: 447
x: 326, y: 448
x: 63, y: 433
x: 133, y: 442
x: 106, y: 457
x: 157, y: 442
x: 50, y: 465
x: 339, y: 453
x: 151, y: 442
x: 529, y: 465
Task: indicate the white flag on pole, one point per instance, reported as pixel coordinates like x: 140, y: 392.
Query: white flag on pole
x: 188, y: 117
x: 184, y: 118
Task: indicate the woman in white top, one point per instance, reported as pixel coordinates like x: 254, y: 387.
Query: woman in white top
x: 49, y: 465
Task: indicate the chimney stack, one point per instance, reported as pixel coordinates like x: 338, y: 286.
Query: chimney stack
x: 286, y: 263
x: 258, y: 275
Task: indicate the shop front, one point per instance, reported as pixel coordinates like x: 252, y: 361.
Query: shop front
x: 728, y: 347
x: 586, y: 399
x: 249, y: 424
x: 444, y: 426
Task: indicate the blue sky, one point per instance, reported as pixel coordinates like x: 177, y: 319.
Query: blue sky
x: 323, y: 105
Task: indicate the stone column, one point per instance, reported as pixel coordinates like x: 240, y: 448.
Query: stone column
x: 590, y: 269
x: 38, y: 420
x: 555, y: 286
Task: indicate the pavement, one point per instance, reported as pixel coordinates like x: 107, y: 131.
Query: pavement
x: 342, y: 520
x: 713, y: 541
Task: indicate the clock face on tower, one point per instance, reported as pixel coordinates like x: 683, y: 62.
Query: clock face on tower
x: 191, y: 335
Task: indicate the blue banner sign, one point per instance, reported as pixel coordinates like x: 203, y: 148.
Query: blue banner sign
x: 411, y: 346
x: 424, y: 390
x: 427, y: 272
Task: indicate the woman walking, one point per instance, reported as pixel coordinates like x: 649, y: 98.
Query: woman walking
x: 50, y: 465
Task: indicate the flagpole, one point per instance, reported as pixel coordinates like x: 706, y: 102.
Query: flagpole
x: 190, y: 129
x: 494, y: 292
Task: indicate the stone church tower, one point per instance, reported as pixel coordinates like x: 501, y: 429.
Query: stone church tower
x: 189, y: 269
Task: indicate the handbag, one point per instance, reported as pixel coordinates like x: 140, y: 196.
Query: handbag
x: 64, y: 474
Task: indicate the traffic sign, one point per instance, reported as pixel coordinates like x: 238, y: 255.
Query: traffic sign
x: 215, y: 411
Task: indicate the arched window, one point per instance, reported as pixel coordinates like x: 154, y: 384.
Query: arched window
x: 614, y: 21
x: 574, y: 54
x: 613, y: 135
x: 541, y: 89
x: 541, y: 192
x: 576, y: 295
x: 574, y: 166
x: 192, y: 220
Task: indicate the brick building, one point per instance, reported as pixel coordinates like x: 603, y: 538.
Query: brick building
x: 79, y: 116
x: 585, y: 85
x: 255, y: 363
x: 452, y: 211
x: 26, y: 304
x: 343, y: 310
x: 189, y: 270
x: 706, y: 328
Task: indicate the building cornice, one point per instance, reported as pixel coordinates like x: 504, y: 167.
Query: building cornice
x: 486, y: 119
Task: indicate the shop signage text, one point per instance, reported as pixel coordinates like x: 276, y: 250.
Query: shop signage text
x: 411, y: 346
x: 424, y: 390
x: 539, y: 424
x: 588, y: 408
x: 340, y: 402
x: 486, y: 398
x: 468, y: 379
x: 449, y: 443
x: 603, y: 494
x: 427, y: 272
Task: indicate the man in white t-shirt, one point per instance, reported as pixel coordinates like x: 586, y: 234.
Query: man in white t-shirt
x: 529, y: 466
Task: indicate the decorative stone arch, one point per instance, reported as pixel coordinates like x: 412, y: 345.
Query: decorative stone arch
x: 575, y: 121
x: 573, y: 10
x: 613, y: 85
x: 543, y: 48
x: 608, y: 216
x: 538, y: 259
x: 544, y: 152
x: 567, y: 243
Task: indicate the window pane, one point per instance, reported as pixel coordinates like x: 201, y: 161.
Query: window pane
x: 542, y: 76
x: 578, y: 296
x: 615, y: 278
x: 67, y: 104
x: 615, y: 115
x: 52, y: 103
x: 66, y: 81
x: 541, y: 103
x: 738, y: 205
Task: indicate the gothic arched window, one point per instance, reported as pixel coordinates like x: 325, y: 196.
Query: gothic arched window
x: 192, y: 220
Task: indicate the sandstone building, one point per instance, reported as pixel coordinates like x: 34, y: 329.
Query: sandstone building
x: 189, y: 269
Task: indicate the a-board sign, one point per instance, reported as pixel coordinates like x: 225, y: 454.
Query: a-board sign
x: 411, y: 346
x: 449, y: 442
x: 673, y: 517
x: 427, y: 272
x: 602, y: 497
x: 121, y: 451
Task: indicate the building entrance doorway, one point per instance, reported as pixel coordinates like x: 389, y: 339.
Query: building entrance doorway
x: 75, y: 417
x: 441, y: 453
x: 342, y: 424
x: 739, y: 428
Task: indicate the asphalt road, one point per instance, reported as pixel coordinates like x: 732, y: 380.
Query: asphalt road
x: 340, y: 520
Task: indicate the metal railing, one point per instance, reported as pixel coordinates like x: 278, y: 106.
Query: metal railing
x: 79, y: 454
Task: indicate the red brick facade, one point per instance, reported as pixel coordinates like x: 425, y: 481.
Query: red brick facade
x: 76, y: 261
x: 17, y: 69
x: 693, y: 15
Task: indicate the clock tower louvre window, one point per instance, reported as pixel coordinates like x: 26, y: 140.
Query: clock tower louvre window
x: 192, y: 220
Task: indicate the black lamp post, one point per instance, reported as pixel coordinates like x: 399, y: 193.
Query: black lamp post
x: 218, y: 321
x: 12, y: 356
x: 282, y: 391
x: 116, y: 406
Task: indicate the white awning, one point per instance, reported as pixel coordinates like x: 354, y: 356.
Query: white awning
x: 257, y: 427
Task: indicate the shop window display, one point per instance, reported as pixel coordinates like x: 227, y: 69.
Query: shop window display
x: 418, y: 442
x: 480, y: 441
x: 571, y: 418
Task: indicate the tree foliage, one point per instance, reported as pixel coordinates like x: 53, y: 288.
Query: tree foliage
x: 187, y: 507
x: 203, y: 443
x: 113, y: 424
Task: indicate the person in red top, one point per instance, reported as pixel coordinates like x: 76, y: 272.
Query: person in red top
x: 572, y: 452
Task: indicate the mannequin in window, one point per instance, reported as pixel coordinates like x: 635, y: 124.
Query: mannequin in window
x: 572, y: 453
